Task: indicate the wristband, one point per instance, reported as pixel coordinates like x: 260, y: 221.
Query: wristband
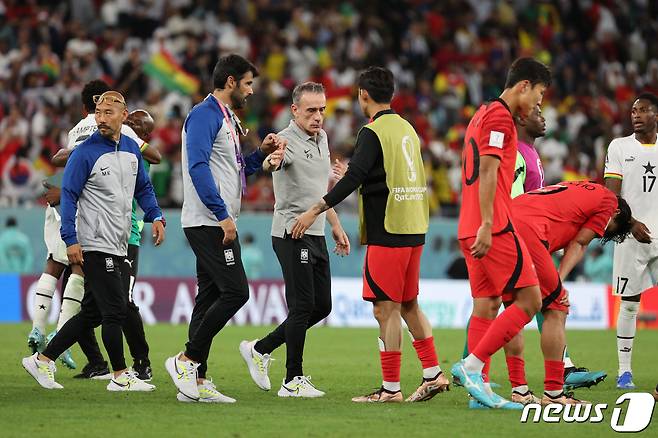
x: 161, y: 219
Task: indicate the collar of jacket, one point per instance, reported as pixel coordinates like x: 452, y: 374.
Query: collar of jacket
x: 104, y: 140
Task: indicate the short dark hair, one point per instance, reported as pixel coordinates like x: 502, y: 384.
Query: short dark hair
x: 378, y: 82
x: 231, y: 65
x: 528, y: 69
x: 624, y: 223
x: 11, y: 222
x: 651, y: 98
x: 90, y: 90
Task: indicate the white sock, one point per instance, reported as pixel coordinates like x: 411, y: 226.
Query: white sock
x: 521, y: 389
x: 431, y: 372
x: 75, y: 289
x: 553, y: 393
x: 391, y: 386
x: 473, y: 365
x: 43, y: 296
x: 567, y: 359
x: 626, y: 324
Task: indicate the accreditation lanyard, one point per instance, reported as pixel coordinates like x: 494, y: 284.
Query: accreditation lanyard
x: 236, y: 145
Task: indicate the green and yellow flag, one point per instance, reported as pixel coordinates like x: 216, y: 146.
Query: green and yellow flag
x: 163, y: 67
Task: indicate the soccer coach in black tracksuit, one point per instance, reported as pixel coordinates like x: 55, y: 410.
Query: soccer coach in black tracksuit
x: 214, y: 178
x: 299, y: 180
x: 101, y: 177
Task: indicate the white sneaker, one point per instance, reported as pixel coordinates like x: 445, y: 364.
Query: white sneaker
x: 184, y: 375
x: 258, y: 364
x: 42, y: 371
x: 207, y: 394
x: 128, y: 381
x: 300, y: 386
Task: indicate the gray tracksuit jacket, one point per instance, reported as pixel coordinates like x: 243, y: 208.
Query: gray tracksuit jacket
x: 101, y: 178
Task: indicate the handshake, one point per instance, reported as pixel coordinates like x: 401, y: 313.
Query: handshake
x: 275, y: 147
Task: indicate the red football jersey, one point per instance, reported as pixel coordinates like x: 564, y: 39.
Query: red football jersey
x: 559, y: 211
x: 490, y: 132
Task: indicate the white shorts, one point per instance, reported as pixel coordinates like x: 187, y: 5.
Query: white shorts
x: 54, y: 243
x: 635, y: 267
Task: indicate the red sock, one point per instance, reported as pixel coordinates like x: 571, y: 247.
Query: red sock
x: 390, y: 365
x: 485, y: 370
x: 516, y: 369
x: 426, y: 352
x: 554, y: 380
x: 477, y: 328
x: 507, y: 325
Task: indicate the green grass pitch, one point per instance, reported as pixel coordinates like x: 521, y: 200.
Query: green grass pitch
x: 343, y: 362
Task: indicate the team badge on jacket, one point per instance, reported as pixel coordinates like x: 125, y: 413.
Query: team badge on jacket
x: 228, y: 256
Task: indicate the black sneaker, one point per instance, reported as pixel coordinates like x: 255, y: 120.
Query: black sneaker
x: 98, y: 371
x: 143, y: 370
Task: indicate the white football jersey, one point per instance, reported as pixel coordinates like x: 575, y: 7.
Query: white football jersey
x: 636, y: 165
x: 87, y: 126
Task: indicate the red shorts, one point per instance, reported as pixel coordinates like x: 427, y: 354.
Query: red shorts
x: 507, y: 266
x: 550, y: 284
x: 391, y: 274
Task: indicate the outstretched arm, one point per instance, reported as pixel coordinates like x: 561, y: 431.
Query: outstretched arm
x: 575, y: 251
x: 61, y: 157
x: 366, y: 152
x: 151, y: 154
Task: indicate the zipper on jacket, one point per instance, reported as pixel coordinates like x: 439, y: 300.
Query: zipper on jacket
x: 123, y: 189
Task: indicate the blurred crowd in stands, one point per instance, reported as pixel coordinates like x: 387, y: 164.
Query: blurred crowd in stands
x: 448, y: 56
